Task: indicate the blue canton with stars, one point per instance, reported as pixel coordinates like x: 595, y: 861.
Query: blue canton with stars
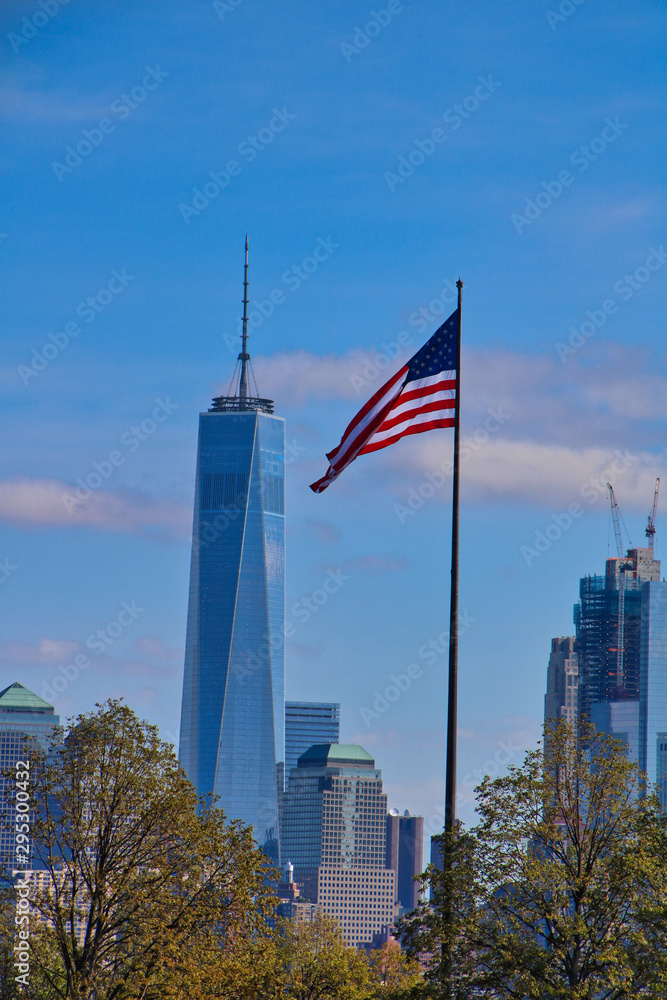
x: 439, y: 354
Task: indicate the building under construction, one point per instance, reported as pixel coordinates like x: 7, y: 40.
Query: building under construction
x: 607, y: 620
x: 615, y: 668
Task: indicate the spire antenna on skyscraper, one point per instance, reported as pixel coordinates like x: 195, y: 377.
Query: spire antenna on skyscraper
x: 244, y: 357
x: 238, y: 396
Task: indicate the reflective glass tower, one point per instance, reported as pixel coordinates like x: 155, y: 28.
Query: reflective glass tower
x: 24, y: 716
x: 306, y: 723
x: 653, y: 687
x: 618, y: 661
x: 232, y: 717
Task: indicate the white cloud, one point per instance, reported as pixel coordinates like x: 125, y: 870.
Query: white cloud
x: 543, y: 393
x: 44, y: 651
x: 154, y: 649
x: 527, y: 472
x: 151, y: 657
x: 301, y: 376
x: 42, y: 503
x: 563, y: 425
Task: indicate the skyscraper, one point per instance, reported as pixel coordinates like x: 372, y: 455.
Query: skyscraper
x: 307, y: 723
x: 334, y: 832
x: 608, y: 618
x: 23, y: 714
x: 653, y: 687
x: 232, y: 716
x: 562, y: 698
x: 619, y: 657
x: 405, y: 854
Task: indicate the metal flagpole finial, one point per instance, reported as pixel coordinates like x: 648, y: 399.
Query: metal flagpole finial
x: 244, y: 357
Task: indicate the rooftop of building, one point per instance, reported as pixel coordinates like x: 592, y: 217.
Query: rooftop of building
x: 312, y: 704
x: 17, y: 698
x: 336, y: 755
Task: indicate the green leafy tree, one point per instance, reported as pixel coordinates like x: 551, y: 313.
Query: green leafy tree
x: 314, y: 963
x: 139, y: 871
x: 442, y: 930
x: 561, y: 890
x: 392, y: 974
x: 243, y: 967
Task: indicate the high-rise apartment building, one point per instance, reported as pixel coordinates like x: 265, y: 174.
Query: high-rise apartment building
x: 307, y: 723
x: 26, y: 721
x: 232, y: 717
x: 334, y: 833
x: 562, y: 698
x: 405, y: 854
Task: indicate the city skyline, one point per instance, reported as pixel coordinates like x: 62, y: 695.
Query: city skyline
x: 369, y: 180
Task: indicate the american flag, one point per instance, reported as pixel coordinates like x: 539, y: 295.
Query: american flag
x: 419, y: 397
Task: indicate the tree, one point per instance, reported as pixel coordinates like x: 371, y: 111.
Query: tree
x: 140, y: 871
x: 442, y: 931
x: 393, y: 975
x: 314, y: 963
x: 563, y: 882
x: 243, y: 968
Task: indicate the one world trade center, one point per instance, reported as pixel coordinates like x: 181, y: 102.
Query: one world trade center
x: 232, y: 717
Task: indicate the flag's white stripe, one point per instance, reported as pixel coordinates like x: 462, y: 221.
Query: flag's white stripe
x: 420, y: 383
x: 403, y: 406
x: 351, y: 441
x: 419, y: 418
x: 355, y: 443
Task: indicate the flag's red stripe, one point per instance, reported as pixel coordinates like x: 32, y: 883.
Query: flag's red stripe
x: 433, y: 407
x: 397, y: 409
x: 414, y: 429
x: 323, y: 482
x: 353, y: 435
x: 353, y: 446
x: 427, y: 390
x: 366, y: 409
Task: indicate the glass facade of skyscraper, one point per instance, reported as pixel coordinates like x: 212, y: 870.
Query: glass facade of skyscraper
x: 25, y: 720
x: 405, y: 854
x: 232, y: 721
x: 653, y: 687
x: 619, y: 719
x: 619, y: 657
x: 307, y: 723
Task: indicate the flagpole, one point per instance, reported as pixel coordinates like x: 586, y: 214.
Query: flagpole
x: 452, y: 698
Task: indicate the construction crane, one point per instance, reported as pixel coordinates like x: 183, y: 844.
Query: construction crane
x: 650, y: 527
x: 617, y: 521
x: 621, y: 588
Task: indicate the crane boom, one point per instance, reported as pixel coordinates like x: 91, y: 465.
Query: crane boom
x: 617, y: 523
x: 650, y: 527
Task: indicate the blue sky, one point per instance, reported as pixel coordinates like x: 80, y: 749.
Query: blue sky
x: 530, y: 136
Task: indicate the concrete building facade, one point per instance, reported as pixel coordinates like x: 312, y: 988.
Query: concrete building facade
x: 334, y: 833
